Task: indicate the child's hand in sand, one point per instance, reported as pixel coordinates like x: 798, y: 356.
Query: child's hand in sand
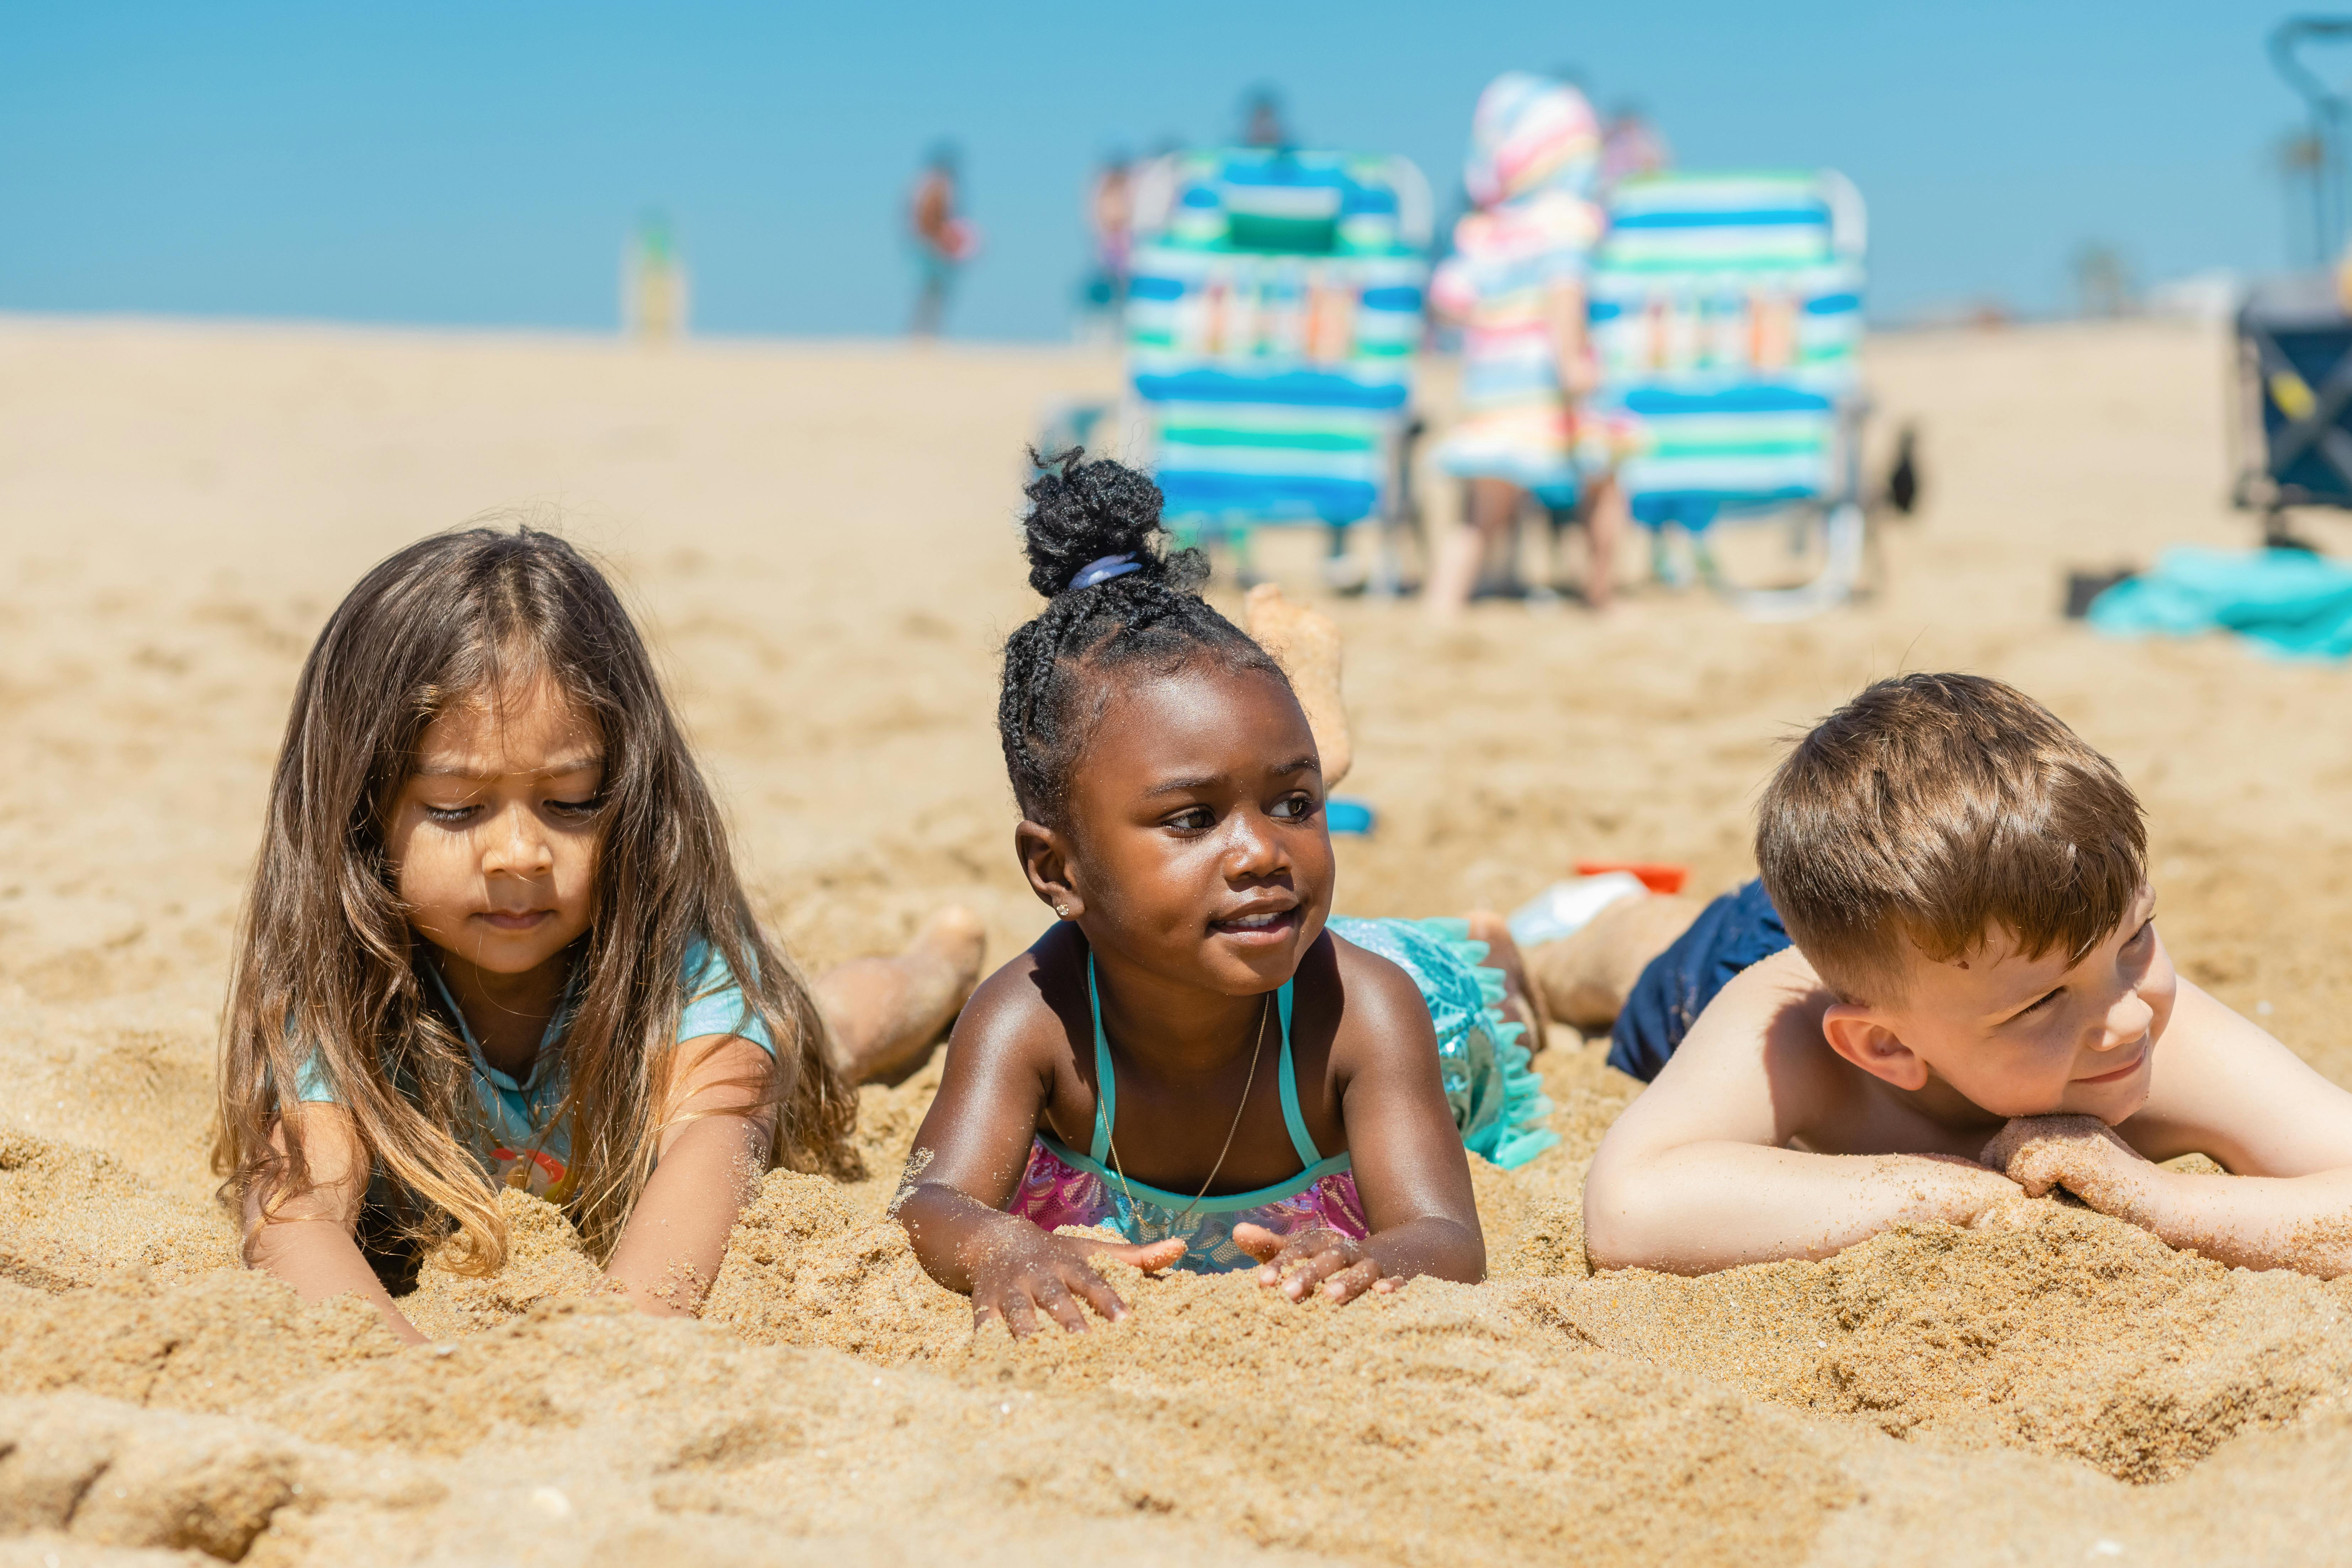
x: 1021, y: 1277
x: 1340, y: 1264
x: 2296, y: 1220
x: 2080, y: 1153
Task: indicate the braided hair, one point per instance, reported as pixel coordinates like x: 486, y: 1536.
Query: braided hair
x: 1152, y: 616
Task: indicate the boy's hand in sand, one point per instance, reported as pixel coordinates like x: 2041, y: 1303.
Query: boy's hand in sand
x: 2080, y: 1153
x: 1021, y: 1279
x: 2300, y: 1221
x: 1343, y: 1265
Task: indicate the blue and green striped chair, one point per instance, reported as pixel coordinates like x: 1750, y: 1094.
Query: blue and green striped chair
x: 1271, y: 329
x: 1727, y: 314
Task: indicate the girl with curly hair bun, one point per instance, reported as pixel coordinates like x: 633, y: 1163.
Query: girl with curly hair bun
x: 1198, y: 1056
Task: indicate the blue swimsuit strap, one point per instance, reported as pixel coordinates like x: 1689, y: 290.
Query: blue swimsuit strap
x: 1106, y: 1080
x: 546, y: 1038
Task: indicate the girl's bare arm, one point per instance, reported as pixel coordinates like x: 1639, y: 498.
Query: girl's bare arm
x: 1411, y: 1169
x: 713, y: 1150
x: 309, y: 1240
x: 968, y: 1158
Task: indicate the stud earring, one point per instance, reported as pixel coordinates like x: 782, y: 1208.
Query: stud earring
x: 1063, y: 910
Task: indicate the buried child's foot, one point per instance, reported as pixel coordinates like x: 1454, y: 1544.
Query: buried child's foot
x: 1306, y: 643
x: 1522, y: 999
x: 886, y: 1015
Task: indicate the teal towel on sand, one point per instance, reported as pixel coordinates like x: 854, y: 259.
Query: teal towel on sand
x: 2292, y: 603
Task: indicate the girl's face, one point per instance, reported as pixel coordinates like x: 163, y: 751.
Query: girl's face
x: 493, y: 836
x: 1197, y: 849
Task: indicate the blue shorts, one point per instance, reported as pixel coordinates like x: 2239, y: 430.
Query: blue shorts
x: 1738, y: 929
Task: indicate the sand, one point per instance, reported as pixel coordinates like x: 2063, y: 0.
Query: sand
x: 819, y: 540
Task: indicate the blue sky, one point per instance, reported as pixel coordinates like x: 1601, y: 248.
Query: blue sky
x: 480, y: 164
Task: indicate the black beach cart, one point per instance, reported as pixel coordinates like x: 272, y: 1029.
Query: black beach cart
x: 2294, y: 423
x: 2292, y: 437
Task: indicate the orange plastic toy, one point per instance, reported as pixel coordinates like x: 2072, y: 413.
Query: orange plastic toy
x: 1657, y: 879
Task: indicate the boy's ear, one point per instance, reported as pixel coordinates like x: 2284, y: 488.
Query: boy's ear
x: 1863, y: 1038
x: 1045, y: 862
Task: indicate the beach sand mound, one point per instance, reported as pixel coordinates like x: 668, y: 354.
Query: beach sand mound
x: 803, y: 1269
x: 545, y: 1261
x: 74, y: 1217
x: 1347, y: 1433
x: 1630, y: 1417
x: 2070, y: 1333
x: 818, y: 542
x: 213, y: 1345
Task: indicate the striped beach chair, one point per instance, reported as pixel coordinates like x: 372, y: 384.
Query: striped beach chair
x: 1727, y: 315
x: 1272, y: 328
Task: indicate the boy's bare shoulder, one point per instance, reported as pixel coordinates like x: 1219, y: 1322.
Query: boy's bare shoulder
x: 1755, y: 1059
x: 1777, y: 1002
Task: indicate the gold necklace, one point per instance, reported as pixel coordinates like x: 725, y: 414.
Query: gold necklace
x: 1255, y: 1050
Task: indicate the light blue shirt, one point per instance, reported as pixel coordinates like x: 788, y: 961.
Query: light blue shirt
x: 519, y: 1119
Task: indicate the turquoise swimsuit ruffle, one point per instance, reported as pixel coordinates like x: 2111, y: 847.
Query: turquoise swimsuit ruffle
x: 1498, y: 1101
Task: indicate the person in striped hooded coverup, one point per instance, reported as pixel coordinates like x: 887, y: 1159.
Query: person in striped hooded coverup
x: 1515, y: 282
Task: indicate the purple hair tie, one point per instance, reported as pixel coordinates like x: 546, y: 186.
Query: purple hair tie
x: 1103, y: 571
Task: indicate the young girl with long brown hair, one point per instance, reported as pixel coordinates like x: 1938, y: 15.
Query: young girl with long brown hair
x: 495, y: 938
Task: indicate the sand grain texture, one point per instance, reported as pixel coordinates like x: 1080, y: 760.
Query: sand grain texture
x: 820, y: 542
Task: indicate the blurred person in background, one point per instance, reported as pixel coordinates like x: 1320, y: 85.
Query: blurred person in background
x: 1110, y: 221
x: 1630, y: 148
x: 1516, y: 283
x: 1262, y: 121
x: 943, y: 239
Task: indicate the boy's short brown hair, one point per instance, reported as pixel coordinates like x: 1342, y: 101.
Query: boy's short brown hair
x: 1933, y: 808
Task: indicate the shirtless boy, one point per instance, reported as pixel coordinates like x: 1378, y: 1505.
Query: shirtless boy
x: 1969, y: 1006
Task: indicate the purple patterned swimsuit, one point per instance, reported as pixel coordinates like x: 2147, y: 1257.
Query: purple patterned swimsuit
x: 1496, y: 1098
x: 1062, y: 1186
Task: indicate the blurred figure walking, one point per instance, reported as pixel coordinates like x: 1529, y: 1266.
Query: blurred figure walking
x: 943, y: 238
x: 1516, y: 283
